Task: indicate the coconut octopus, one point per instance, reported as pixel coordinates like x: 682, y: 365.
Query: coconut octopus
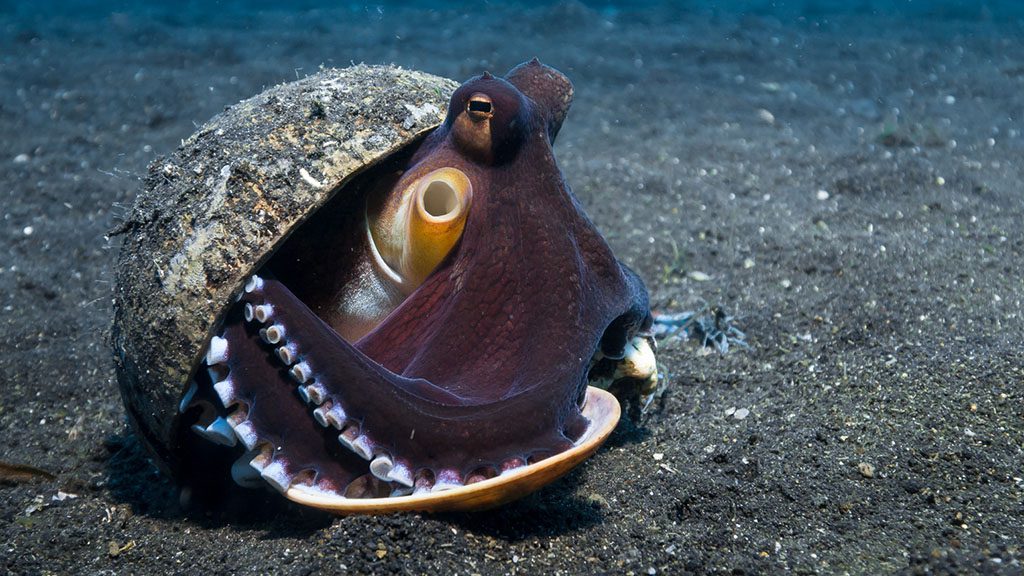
x: 423, y: 340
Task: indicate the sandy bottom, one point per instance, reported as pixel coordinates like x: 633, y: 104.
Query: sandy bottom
x: 849, y: 187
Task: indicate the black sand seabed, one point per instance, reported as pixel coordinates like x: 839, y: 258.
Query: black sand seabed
x: 849, y: 186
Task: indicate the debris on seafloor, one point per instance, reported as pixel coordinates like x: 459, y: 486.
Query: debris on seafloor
x: 22, y: 473
x: 713, y: 327
x: 866, y: 469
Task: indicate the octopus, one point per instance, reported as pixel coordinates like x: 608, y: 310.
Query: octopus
x: 442, y: 335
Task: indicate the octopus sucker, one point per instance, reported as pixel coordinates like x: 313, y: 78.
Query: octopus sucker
x: 244, y: 474
x: 424, y: 336
x: 218, y: 351
x: 219, y: 432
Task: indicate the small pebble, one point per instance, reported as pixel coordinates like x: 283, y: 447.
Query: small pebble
x: 766, y: 116
x: 741, y: 414
x: 597, y: 501
x: 698, y: 276
x: 866, y: 470
x: 748, y: 263
x: 658, y: 456
x: 940, y: 181
x: 786, y: 283
x: 28, y: 230
x: 21, y: 158
x: 822, y: 195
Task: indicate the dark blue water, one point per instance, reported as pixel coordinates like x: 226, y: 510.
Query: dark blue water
x: 198, y: 11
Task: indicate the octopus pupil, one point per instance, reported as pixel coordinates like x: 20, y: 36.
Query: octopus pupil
x: 479, y: 106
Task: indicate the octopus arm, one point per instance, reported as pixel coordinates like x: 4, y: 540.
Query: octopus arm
x: 411, y: 431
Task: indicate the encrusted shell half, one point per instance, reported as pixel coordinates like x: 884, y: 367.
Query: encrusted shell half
x: 216, y: 209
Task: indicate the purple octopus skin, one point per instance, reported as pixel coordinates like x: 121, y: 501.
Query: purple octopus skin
x: 482, y: 368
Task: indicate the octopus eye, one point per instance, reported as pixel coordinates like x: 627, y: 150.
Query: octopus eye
x: 479, y: 107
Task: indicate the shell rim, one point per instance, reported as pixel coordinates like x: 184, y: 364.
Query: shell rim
x: 601, y: 408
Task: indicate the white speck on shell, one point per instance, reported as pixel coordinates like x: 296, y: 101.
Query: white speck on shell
x: 418, y: 113
x: 308, y: 178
